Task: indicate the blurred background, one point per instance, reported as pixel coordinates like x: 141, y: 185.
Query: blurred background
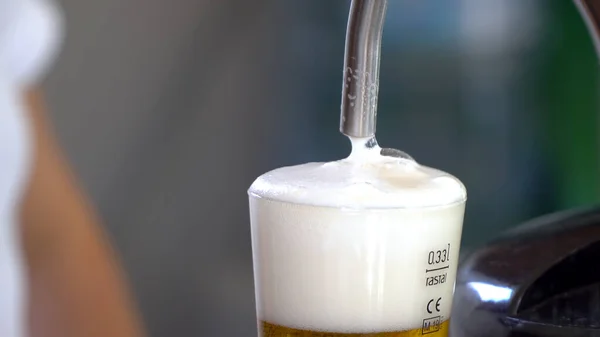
x: 169, y: 109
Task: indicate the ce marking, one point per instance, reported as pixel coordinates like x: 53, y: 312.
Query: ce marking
x: 431, y: 306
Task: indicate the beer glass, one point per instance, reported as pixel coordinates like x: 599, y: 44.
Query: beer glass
x: 355, y: 260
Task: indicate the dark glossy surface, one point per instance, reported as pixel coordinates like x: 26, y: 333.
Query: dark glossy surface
x: 590, y: 11
x: 540, y: 279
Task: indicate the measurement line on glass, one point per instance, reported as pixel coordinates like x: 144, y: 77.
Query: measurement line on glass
x: 436, y: 269
x: 438, y: 261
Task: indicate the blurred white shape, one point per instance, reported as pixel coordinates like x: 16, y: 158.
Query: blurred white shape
x: 491, y: 293
x: 492, y: 26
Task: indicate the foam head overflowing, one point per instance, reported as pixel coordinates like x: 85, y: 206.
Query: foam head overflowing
x: 366, y: 179
x: 366, y: 244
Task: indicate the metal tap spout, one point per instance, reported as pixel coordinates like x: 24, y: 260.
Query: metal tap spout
x: 360, y: 88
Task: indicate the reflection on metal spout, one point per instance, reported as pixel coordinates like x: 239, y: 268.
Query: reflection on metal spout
x: 590, y: 10
x: 361, y: 68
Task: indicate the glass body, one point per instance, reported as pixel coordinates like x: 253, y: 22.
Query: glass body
x: 326, y: 271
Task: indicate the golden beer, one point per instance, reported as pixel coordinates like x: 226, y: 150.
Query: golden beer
x: 272, y: 330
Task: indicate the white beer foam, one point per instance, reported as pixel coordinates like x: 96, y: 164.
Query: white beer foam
x: 344, y: 246
x: 365, y: 179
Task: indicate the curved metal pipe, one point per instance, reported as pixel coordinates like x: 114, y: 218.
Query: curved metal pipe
x: 590, y: 11
x: 361, y: 68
